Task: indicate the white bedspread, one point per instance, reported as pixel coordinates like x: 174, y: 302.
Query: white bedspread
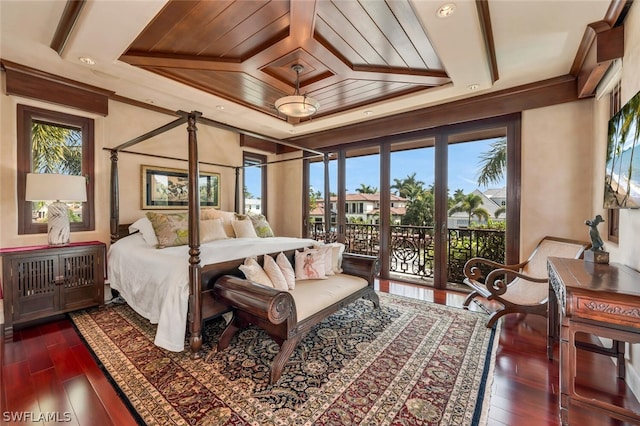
x: 155, y: 282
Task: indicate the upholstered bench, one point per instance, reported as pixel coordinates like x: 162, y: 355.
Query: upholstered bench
x: 286, y: 316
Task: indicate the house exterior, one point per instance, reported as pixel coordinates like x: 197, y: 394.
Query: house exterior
x: 492, y: 200
x: 362, y: 208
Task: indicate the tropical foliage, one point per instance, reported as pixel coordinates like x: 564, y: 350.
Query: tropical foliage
x: 623, y: 127
x: 367, y: 189
x: 493, y: 163
x: 56, y: 149
x: 472, y: 205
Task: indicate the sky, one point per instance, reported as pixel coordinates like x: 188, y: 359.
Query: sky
x: 464, y: 166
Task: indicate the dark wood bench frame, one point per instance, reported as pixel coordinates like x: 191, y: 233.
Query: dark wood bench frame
x: 275, y: 311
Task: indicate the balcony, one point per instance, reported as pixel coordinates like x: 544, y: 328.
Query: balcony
x: 412, y: 252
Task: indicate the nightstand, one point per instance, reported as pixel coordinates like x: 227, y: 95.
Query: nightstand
x: 41, y: 281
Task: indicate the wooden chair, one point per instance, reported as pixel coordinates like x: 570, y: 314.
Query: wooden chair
x: 521, y: 288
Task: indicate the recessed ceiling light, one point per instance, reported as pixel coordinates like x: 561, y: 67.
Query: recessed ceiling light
x: 87, y: 60
x: 368, y: 112
x: 149, y: 101
x: 219, y: 107
x: 446, y: 10
x: 473, y: 86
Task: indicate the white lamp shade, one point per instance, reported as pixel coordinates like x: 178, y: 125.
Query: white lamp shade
x: 55, y: 187
x: 297, y: 106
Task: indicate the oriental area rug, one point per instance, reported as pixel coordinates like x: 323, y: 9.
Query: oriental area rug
x: 409, y: 363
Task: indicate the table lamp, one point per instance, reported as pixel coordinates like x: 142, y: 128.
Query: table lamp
x: 56, y: 187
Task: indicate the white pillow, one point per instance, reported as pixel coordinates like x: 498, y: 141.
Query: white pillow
x: 254, y: 272
x: 287, y: 270
x: 211, y: 230
x: 227, y: 219
x: 336, y: 260
x: 327, y: 252
x: 144, y: 226
x: 244, y: 229
x: 275, y: 274
x: 309, y: 265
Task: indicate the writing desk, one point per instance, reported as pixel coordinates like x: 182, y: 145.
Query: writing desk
x: 598, y: 299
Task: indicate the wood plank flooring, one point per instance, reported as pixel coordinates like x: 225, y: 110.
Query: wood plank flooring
x: 48, y: 373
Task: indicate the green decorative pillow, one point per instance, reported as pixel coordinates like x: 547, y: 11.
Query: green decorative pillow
x: 172, y: 229
x: 262, y: 227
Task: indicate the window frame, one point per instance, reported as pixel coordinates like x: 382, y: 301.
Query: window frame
x: 26, y: 115
x: 253, y: 158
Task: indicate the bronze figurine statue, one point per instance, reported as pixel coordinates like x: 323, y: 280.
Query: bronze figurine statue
x: 596, y: 242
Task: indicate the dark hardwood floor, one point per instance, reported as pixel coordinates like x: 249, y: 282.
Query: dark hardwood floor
x: 47, y: 371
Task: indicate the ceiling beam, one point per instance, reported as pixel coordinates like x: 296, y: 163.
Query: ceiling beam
x: 68, y: 20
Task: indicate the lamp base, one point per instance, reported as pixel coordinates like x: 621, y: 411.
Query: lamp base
x: 58, y: 224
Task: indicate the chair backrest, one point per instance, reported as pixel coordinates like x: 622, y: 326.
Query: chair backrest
x: 554, y: 247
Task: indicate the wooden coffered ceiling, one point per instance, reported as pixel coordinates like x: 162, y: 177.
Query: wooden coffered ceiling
x: 353, y: 53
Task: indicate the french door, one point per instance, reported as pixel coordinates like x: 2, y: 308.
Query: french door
x: 433, y: 212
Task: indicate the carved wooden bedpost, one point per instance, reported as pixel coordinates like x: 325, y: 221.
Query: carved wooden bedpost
x: 114, y: 221
x: 195, y: 278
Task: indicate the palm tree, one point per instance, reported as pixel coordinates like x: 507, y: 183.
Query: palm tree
x: 408, y: 187
x: 56, y: 149
x: 493, y: 163
x: 367, y: 189
x: 630, y: 119
x: 420, y: 210
x: 470, y: 204
x: 499, y: 211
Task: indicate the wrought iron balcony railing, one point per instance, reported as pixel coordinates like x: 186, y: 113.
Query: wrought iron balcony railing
x: 412, y: 251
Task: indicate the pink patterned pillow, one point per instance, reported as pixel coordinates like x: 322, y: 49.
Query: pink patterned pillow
x: 309, y: 265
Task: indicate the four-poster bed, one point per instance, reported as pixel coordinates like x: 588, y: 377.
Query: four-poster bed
x: 201, y: 304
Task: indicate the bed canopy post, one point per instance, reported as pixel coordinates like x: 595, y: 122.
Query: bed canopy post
x: 195, y: 278
x: 327, y: 200
x: 236, y: 200
x: 114, y: 221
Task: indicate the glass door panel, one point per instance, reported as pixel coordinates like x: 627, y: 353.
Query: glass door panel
x: 477, y: 202
x: 316, y: 228
x: 362, y: 201
x: 412, y: 180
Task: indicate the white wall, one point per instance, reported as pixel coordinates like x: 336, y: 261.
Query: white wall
x: 557, y: 166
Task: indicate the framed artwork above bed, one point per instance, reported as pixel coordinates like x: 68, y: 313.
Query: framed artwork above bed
x: 165, y: 188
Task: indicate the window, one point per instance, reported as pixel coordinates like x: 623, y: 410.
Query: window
x: 54, y: 142
x: 254, y: 178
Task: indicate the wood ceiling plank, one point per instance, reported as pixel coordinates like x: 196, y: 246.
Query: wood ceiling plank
x: 347, y: 51
x: 371, y: 32
x: 407, y: 18
x: 266, y: 27
x: 208, y: 25
x: 394, y: 32
x: 162, y: 25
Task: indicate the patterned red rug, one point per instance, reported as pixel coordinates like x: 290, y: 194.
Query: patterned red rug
x: 408, y: 363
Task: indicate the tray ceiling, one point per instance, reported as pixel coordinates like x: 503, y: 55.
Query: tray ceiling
x: 353, y: 53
